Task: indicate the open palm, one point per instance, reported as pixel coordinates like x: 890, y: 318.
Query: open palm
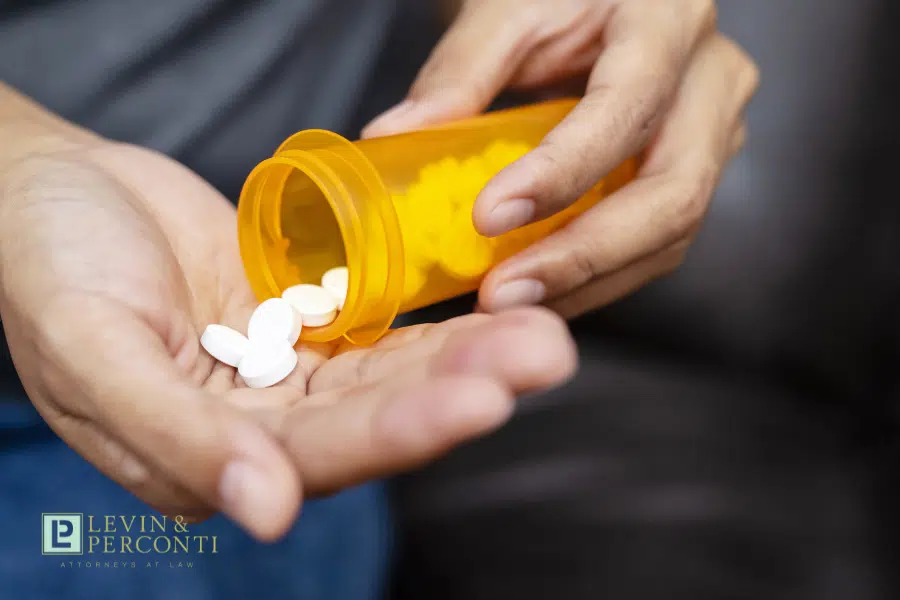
x: 111, y: 263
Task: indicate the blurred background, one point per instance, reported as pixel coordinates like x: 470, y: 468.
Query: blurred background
x: 733, y: 430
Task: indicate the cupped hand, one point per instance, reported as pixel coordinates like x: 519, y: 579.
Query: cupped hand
x: 662, y: 83
x: 112, y: 261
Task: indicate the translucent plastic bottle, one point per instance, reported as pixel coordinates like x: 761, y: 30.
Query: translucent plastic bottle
x: 397, y: 211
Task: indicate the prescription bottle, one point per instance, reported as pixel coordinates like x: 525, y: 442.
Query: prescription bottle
x: 396, y: 210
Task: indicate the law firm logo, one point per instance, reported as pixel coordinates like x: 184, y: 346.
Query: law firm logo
x: 122, y: 541
x: 61, y: 534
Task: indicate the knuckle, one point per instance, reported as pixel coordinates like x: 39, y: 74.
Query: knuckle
x: 547, y: 163
x: 583, y: 266
x: 653, y: 86
x: 641, y: 116
x: 634, y: 99
x: 556, y: 178
x: 585, y: 260
x: 692, y: 201
x: 751, y: 77
x: 741, y: 63
x: 646, y: 112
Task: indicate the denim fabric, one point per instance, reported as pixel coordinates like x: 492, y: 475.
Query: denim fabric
x: 337, y: 551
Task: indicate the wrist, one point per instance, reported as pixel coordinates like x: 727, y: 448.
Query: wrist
x: 35, y: 152
x: 30, y: 131
x: 32, y: 141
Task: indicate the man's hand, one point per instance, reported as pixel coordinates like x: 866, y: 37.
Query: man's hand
x: 112, y: 260
x: 660, y: 80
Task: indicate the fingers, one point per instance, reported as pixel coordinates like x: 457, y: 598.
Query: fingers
x: 569, y: 54
x: 647, y: 215
x: 414, y: 402
x: 664, y: 205
x: 648, y: 45
x: 493, y: 45
x: 133, y: 389
x: 467, y: 69
x: 385, y: 428
x: 122, y: 466
x: 527, y: 349
x: 709, y: 109
x: 605, y: 290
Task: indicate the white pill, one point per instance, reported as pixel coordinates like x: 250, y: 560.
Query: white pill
x: 275, y: 319
x: 336, y: 281
x: 267, y: 363
x: 316, y: 306
x: 224, y: 344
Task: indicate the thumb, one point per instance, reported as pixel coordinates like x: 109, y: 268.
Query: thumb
x: 135, y: 392
x: 472, y: 63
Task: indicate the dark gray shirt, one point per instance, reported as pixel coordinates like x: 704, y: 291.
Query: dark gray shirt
x: 217, y: 84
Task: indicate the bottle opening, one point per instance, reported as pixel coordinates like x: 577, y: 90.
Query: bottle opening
x: 314, y: 242
x: 304, y: 212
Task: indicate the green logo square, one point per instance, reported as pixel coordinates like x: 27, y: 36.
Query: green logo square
x: 61, y: 533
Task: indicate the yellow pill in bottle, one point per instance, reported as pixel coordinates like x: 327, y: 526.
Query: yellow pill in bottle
x: 397, y: 211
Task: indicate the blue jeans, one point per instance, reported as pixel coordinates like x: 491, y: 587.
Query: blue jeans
x: 337, y: 551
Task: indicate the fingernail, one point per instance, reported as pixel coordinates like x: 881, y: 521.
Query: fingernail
x: 247, y: 495
x: 509, y: 215
x: 388, y: 122
x: 518, y: 293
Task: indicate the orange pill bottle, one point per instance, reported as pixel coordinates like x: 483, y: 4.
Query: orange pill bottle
x: 397, y: 211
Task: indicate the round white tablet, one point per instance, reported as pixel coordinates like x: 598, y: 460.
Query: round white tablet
x: 224, y: 344
x: 316, y: 306
x: 336, y: 281
x: 275, y: 319
x: 267, y: 363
